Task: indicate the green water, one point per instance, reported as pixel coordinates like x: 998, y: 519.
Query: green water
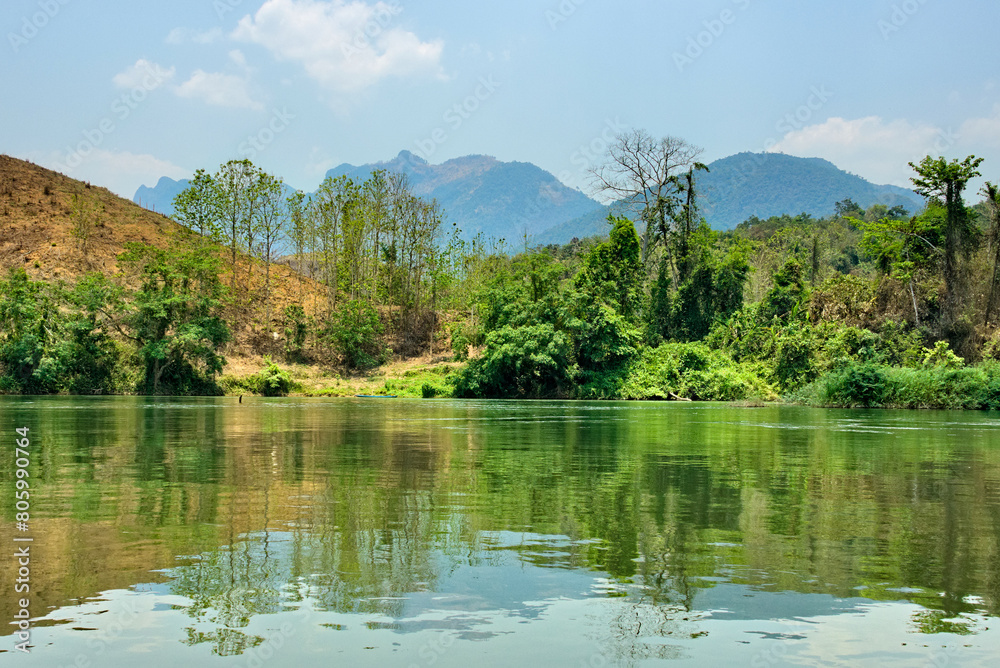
x: 302, y: 532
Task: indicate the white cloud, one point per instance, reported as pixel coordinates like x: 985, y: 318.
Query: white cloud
x: 144, y: 74
x: 121, y: 172
x: 983, y: 132
x: 238, y: 58
x: 344, y: 45
x: 220, y: 90
x: 184, y: 35
x: 871, y: 147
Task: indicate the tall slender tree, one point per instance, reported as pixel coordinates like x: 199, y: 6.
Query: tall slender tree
x: 942, y: 181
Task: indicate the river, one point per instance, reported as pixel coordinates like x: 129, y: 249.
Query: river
x: 377, y: 532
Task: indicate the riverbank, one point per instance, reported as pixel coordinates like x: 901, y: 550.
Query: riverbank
x: 867, y: 385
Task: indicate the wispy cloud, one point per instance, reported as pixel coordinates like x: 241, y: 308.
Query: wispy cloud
x: 872, y: 147
x: 187, y: 35
x: 344, y: 46
x: 219, y: 89
x: 144, y: 74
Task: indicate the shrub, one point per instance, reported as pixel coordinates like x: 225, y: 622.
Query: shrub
x: 519, y: 362
x: 272, y: 381
x: 356, y: 331
x: 858, y: 385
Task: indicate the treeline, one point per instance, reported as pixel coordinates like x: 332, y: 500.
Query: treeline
x: 826, y: 311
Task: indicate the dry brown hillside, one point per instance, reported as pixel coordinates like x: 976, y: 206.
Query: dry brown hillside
x: 36, y: 220
x: 37, y: 212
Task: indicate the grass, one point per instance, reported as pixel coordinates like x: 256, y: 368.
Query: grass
x: 424, y: 378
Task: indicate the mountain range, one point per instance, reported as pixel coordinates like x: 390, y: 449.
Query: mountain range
x: 508, y: 200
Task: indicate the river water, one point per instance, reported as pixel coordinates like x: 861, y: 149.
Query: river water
x: 375, y: 532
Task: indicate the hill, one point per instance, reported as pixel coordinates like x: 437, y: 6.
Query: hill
x: 479, y: 193
x: 773, y: 184
x: 40, y: 207
x: 508, y: 199
x: 763, y: 185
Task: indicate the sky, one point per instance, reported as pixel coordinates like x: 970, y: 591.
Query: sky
x: 121, y: 93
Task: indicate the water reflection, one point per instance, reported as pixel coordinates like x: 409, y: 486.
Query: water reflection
x: 477, y: 520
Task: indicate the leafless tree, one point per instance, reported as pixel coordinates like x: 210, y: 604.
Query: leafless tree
x: 645, y: 174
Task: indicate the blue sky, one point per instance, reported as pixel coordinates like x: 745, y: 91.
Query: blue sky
x: 121, y: 93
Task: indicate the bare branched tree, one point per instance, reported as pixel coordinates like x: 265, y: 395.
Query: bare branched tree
x: 645, y: 174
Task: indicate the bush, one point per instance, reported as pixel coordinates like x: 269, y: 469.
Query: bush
x: 858, y: 386
x: 520, y: 362
x: 692, y: 371
x: 356, y: 331
x: 270, y: 381
x: 460, y: 343
x: 273, y: 382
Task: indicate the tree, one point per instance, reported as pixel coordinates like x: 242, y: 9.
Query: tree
x: 992, y: 194
x: 198, y: 208
x: 272, y: 219
x: 942, y: 181
x: 612, y: 271
x: 175, y: 318
x: 905, y: 249
x: 643, y: 171
x: 301, y: 233
x: 85, y: 216
x: 234, y: 185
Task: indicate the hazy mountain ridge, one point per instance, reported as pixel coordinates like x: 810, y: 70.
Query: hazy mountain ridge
x: 479, y: 193
x: 744, y: 185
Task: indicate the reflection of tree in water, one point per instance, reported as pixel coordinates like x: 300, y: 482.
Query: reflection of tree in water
x: 386, y: 510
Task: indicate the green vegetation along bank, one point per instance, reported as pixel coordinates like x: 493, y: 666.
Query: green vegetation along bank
x: 876, y: 308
